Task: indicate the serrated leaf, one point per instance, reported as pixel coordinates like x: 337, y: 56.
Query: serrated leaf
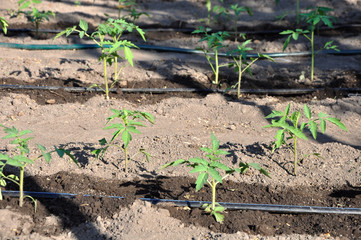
x: 126, y: 138
x: 215, y: 174
x: 307, y: 111
x: 199, y: 168
x: 215, y: 142
x: 201, y: 180
x: 219, y: 217
x: 337, y: 122
x: 312, y: 125
x: 275, y: 114
x: 174, y: 163
x: 83, y: 25
x: 46, y: 155
x: 220, y: 165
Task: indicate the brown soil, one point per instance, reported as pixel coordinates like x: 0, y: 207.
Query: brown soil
x: 184, y: 121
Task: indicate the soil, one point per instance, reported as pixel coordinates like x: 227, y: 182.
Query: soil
x: 184, y: 121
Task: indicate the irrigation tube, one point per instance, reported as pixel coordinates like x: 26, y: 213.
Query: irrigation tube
x: 170, y: 90
x: 197, y: 204
x: 167, y: 49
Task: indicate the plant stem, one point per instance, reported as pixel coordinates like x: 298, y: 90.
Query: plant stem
x: 214, y: 184
x: 312, y: 53
x: 126, y: 159
x: 239, y: 77
x: 21, y: 186
x: 295, y: 154
x: 217, y: 66
x: 106, y: 79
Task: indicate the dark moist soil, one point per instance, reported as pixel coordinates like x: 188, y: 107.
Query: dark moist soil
x: 80, y: 209
x: 327, y: 89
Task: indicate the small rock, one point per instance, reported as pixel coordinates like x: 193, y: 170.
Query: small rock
x: 50, y: 101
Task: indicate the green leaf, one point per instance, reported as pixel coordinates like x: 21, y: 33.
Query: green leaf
x: 83, y: 25
x: 2, y: 184
x: 215, y: 142
x: 61, y: 152
x: 201, y: 180
x: 220, y: 165
x: 323, y: 125
x: 307, y: 111
x: 280, y: 137
x: 312, y: 125
x: 337, y: 122
x: 275, y: 114
x: 199, y: 168
x: 46, y: 155
x: 174, y: 163
x: 219, y: 217
x: 215, y: 174
x: 126, y: 138
x: 198, y: 160
x: 128, y: 55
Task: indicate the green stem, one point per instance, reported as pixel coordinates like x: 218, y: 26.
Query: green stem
x: 217, y: 66
x: 106, y: 79
x: 116, y: 69
x: 312, y: 54
x: 21, y: 186
x: 295, y: 155
x: 126, y: 159
x: 239, y: 77
x: 214, y: 184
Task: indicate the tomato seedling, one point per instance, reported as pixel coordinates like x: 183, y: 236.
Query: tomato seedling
x: 130, y: 7
x: 20, y: 159
x: 34, y: 16
x: 4, y: 25
x: 214, y: 43
x: 109, y: 48
x: 241, y: 61
x: 232, y: 13
x: 209, y: 171
x: 290, y: 130
x: 315, y: 17
x: 130, y: 120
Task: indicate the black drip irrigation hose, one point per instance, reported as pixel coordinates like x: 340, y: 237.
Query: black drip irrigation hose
x: 180, y: 90
x: 198, y: 204
x: 169, y: 49
x: 190, y: 30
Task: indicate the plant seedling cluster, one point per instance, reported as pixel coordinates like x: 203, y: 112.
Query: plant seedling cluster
x: 130, y: 120
x: 314, y: 17
x: 209, y: 171
x: 241, y: 60
x: 214, y: 43
x: 20, y: 159
x: 113, y: 28
x: 130, y: 7
x: 34, y: 15
x: 289, y: 129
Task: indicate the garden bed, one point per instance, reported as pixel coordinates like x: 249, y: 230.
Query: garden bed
x: 184, y: 121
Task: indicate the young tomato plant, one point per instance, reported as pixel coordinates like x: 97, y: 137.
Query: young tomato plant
x: 240, y: 62
x: 130, y: 120
x: 109, y: 48
x: 232, y: 13
x: 130, y: 7
x: 209, y: 171
x: 34, y: 16
x: 290, y: 129
x: 214, y: 43
x: 20, y: 159
x: 315, y: 17
x: 4, y: 25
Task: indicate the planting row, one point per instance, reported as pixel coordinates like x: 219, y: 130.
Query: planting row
x: 109, y: 37
x: 209, y: 168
